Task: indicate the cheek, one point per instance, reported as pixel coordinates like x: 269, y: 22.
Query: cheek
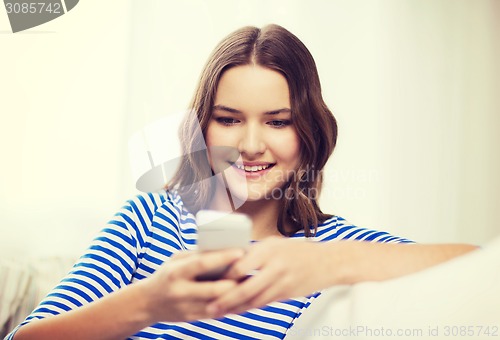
x: 209, y: 135
x: 219, y: 136
x: 214, y: 137
x: 287, y: 148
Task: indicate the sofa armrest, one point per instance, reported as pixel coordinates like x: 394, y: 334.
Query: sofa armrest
x: 24, y: 283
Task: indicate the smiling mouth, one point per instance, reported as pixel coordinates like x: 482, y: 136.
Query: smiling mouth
x: 253, y: 168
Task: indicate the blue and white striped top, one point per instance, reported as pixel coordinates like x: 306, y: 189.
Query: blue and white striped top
x: 141, y: 237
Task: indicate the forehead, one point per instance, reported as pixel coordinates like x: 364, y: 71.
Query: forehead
x: 253, y: 88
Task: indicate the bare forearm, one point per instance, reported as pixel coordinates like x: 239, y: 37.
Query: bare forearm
x: 364, y: 261
x: 115, y: 316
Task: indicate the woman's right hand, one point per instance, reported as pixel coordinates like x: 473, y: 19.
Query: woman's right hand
x: 173, y: 294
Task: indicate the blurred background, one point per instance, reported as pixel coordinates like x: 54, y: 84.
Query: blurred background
x: 414, y: 85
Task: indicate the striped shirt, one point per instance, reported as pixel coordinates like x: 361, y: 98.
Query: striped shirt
x: 141, y: 237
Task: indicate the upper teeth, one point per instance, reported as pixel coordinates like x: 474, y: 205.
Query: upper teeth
x: 252, y: 168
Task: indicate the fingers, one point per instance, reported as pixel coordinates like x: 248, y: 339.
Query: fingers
x: 205, y: 291
x: 175, y: 296
x: 247, y: 266
x: 182, y: 254
x: 275, y: 278
x: 240, y: 298
x: 191, y: 266
x: 241, y: 269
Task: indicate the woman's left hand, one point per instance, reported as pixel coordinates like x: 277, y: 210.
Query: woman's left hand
x: 285, y: 268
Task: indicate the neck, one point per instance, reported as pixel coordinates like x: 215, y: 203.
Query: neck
x: 263, y: 213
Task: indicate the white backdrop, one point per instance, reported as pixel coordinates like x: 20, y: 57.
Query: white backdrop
x: 414, y: 86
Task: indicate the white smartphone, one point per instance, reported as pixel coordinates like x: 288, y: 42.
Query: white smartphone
x: 220, y: 230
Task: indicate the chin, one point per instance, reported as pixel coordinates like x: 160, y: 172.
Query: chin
x: 243, y: 191
x: 268, y: 194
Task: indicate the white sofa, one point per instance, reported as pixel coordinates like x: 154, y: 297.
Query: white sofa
x: 23, y: 283
x: 459, y: 299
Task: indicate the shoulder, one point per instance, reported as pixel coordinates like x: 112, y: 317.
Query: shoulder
x: 173, y: 225
x: 144, y: 212
x: 146, y: 206
x: 337, y: 228
x: 156, y: 224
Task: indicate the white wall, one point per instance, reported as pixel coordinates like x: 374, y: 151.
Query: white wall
x: 412, y: 84
x: 63, y: 91
x: 415, y: 89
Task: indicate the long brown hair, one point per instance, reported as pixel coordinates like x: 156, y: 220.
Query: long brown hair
x: 275, y: 48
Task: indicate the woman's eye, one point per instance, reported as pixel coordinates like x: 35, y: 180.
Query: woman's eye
x: 226, y: 121
x: 280, y: 123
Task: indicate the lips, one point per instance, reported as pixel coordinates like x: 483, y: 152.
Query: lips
x: 253, y: 169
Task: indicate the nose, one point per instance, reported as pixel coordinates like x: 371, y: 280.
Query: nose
x: 251, y: 141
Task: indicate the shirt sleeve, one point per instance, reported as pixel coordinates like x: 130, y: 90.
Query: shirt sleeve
x: 337, y: 228
x: 108, y: 264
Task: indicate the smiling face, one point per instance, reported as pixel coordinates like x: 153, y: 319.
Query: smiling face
x: 252, y: 114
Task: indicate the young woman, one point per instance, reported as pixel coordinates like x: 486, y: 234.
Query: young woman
x: 260, y: 96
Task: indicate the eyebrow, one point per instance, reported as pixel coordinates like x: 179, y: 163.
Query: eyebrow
x: 231, y: 110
